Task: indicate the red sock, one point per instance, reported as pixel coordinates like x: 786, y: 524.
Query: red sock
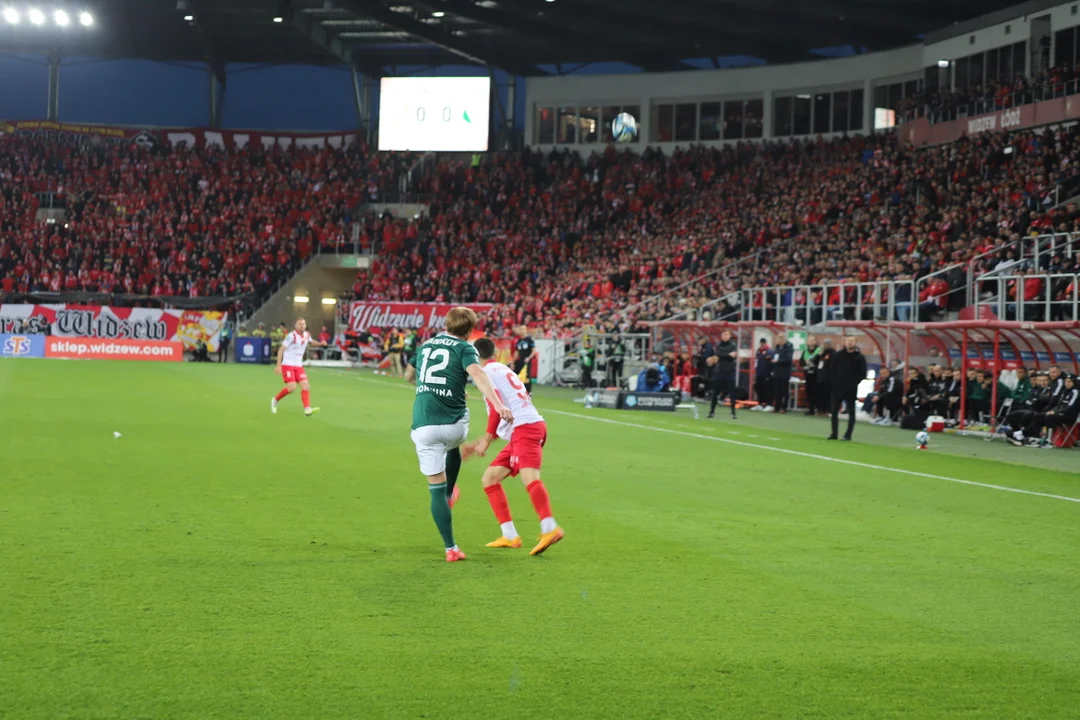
x: 497, y: 498
x: 538, y: 495
x: 305, y: 395
x: 281, y: 395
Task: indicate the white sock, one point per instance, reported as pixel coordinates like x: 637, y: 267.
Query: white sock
x: 508, y: 530
x: 548, y: 525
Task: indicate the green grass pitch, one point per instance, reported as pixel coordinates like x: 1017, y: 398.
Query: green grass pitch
x: 217, y: 561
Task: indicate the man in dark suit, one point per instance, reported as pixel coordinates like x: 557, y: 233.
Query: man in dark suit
x: 848, y: 369
x: 783, y: 357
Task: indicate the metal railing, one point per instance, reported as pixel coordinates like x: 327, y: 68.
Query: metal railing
x: 811, y: 305
x: 949, y: 109
x: 1030, y: 298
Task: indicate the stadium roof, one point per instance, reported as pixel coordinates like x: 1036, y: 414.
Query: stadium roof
x: 515, y: 35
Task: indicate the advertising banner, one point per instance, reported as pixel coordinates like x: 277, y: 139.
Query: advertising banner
x: 22, y: 346
x: 648, y: 401
x: 94, y: 321
x: 92, y: 135
x: 98, y: 349
x: 253, y: 350
x: 1048, y: 112
x: 367, y: 314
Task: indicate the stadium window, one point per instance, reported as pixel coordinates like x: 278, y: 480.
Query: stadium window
x: 931, y: 78
x: 1019, y: 53
x: 840, y: 111
x: 753, y: 118
x: 565, y: 126
x: 975, y: 69
x: 782, y: 113
x: 545, y: 126
x: 663, y: 123
x: 822, y: 113
x: 855, y: 124
x: 881, y: 96
x: 589, y: 125
x: 911, y: 88
x: 993, y: 73
x: 607, y: 118
x: 635, y: 112
x: 960, y: 74
x: 686, y: 122
x: 895, y: 95
x: 801, y: 115
x: 733, y: 119
x: 712, y: 119
x: 1065, y: 47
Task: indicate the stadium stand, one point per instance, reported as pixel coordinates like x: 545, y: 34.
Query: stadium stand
x: 594, y: 236
x: 589, y: 237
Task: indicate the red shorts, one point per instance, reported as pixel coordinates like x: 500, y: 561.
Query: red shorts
x: 525, y: 449
x: 293, y: 374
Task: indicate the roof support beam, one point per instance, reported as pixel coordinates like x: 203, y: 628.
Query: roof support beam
x: 436, y: 36
x: 566, y: 38
x: 310, y: 28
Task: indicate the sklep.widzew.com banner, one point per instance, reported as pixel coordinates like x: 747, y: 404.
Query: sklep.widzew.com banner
x: 367, y: 314
x: 185, y: 327
x: 100, y: 349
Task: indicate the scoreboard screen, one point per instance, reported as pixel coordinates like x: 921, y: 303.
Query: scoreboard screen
x: 449, y: 114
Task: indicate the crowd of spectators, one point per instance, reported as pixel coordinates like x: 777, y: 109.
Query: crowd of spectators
x: 558, y: 242
x: 978, y: 98
x: 554, y: 240
x: 165, y: 221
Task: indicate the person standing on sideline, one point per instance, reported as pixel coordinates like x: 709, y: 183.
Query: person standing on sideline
x: 523, y: 352
x: 223, y: 343
x: 783, y: 356
x: 810, y: 356
x: 587, y: 358
x: 615, y: 362
x: 724, y: 366
x: 848, y: 369
x: 824, y: 384
x: 763, y: 375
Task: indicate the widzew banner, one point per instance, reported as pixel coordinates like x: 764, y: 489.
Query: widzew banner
x: 186, y: 327
x: 367, y: 314
x: 97, y: 135
x: 98, y: 349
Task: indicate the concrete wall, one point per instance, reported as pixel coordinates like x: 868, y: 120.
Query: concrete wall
x: 322, y: 277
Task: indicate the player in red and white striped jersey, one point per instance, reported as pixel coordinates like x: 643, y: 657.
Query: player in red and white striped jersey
x: 290, y: 366
x: 523, y: 454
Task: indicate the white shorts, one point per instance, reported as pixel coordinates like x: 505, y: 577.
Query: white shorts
x: 434, y: 441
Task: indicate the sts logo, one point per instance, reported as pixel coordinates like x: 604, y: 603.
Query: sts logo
x: 17, y: 345
x: 22, y: 346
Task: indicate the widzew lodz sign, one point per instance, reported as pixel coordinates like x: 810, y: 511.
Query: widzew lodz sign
x: 1048, y: 112
x: 367, y: 314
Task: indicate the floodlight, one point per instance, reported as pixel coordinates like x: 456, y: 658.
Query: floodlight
x: 36, y: 16
x: 189, y: 18
x: 438, y: 14
x: 61, y: 18
x: 11, y: 16
x: 279, y: 19
x: 943, y: 63
x: 86, y: 19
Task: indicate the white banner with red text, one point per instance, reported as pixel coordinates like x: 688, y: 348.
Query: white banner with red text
x: 111, y: 323
x: 79, y: 134
x: 368, y: 314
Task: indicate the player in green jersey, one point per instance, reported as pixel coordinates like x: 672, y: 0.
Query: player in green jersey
x: 441, y: 417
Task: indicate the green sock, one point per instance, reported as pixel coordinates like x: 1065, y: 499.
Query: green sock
x: 453, y: 467
x: 440, y: 511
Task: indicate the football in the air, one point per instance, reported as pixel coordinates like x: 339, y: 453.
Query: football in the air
x: 922, y: 438
x: 624, y: 127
